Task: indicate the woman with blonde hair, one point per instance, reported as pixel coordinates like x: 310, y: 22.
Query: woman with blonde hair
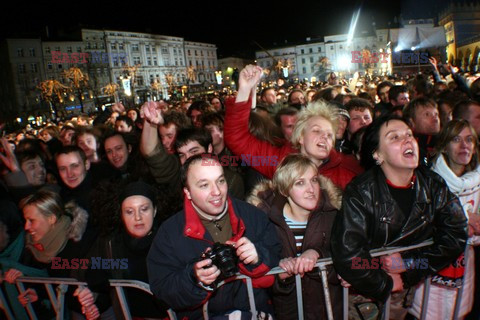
x: 302, y: 205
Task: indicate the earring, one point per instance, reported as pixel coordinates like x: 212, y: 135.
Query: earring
x: 378, y: 162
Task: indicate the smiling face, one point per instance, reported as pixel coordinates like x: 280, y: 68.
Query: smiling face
x: 72, y: 169
x: 37, y: 224
x: 303, y: 196
x: 207, y: 187
x: 137, y: 215
x: 116, y: 151
x: 34, y: 170
x: 397, y: 149
x: 460, y: 150
x: 317, y: 140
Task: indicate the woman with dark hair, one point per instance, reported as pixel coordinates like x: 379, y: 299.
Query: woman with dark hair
x: 132, y: 229
x: 302, y: 205
x: 395, y: 203
x: 456, y: 161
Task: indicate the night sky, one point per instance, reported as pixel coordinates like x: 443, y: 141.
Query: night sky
x: 232, y: 25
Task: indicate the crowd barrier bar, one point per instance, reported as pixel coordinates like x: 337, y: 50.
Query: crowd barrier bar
x: 119, y: 285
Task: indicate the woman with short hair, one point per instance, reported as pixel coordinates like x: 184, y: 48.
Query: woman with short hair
x: 302, y: 205
x: 395, y: 202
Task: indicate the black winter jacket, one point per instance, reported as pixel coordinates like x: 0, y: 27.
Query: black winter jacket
x: 370, y: 218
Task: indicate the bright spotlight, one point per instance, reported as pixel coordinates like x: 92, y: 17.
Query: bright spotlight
x: 413, y: 48
x: 397, y: 49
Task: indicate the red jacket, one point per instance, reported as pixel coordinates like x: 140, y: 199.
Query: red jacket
x: 340, y: 168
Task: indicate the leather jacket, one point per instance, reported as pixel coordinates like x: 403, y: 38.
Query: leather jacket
x: 370, y: 218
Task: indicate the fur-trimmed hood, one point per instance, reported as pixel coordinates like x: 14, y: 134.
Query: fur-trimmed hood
x: 263, y: 193
x: 79, y: 222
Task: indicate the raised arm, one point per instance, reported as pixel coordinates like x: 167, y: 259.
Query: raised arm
x: 236, y: 133
x: 164, y: 167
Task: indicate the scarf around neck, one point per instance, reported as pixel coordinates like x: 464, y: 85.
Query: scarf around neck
x: 52, y: 243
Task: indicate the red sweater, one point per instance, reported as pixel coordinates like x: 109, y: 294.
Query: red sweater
x: 340, y: 168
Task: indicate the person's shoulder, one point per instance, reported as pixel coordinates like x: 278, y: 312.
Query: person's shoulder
x: 244, y: 209
x: 430, y: 176
x: 174, y: 222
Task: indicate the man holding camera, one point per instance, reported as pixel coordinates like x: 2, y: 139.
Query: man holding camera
x: 184, y: 270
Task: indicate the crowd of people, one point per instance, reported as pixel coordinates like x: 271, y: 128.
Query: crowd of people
x: 184, y: 194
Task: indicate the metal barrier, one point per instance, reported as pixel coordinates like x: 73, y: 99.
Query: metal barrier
x: 62, y: 285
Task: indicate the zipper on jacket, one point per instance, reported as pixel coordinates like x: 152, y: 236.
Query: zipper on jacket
x: 387, y: 223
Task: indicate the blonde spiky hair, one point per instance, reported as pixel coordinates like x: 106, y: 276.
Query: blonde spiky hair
x: 318, y: 108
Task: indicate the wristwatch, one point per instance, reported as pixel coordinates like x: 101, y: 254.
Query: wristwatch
x: 209, y: 288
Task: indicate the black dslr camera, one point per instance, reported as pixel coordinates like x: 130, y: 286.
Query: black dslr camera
x: 224, y: 257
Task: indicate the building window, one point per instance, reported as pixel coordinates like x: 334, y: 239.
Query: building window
x: 188, y: 51
x: 88, y: 46
x: 303, y: 60
x: 155, y: 62
x: 94, y: 45
x: 154, y: 49
x: 310, y: 50
x: 149, y: 61
x: 174, y: 51
x: 33, y: 68
x: 79, y: 49
x: 59, y: 66
x: 147, y: 47
x: 69, y: 49
x: 319, y: 49
x: 21, y: 68
x: 136, y: 60
x: 47, y: 49
x: 380, y: 38
x: 304, y: 70
x: 311, y: 59
x: 113, y: 46
x: 312, y: 68
x: 19, y: 52
x: 341, y: 47
x: 135, y: 47
x: 32, y: 52
x: 164, y: 50
x: 140, y: 80
x: 331, y: 47
x: 196, y: 54
x: 120, y: 46
x: 49, y: 66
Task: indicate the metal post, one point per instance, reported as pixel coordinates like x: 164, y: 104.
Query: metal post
x: 61, y: 290
x: 30, y: 311
x: 386, y: 310
x: 458, y: 300
x: 298, y: 284
x: 426, y: 293
x: 345, y: 303
x: 123, y: 303
x: 326, y: 291
x: 4, y: 307
x: 251, y: 298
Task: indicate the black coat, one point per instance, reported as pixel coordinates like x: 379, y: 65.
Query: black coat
x: 370, y: 218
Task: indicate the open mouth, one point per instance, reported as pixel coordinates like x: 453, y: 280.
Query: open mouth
x: 408, y: 153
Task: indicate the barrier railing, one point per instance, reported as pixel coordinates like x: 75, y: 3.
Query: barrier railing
x: 57, y: 300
